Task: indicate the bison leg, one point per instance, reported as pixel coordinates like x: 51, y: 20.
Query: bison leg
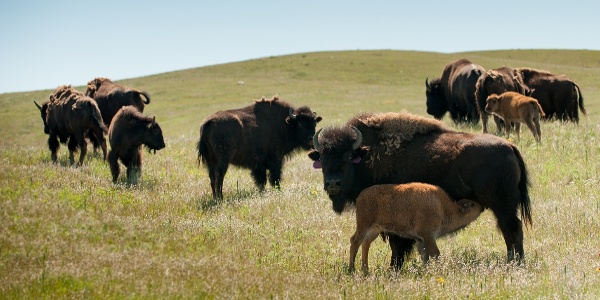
x: 98, y: 138
x: 113, y: 162
x: 517, y: 130
x: 533, y: 129
x: 72, y: 148
x: 82, y: 149
x: 216, y: 172
x: 355, y: 242
x: 431, y: 248
x: 260, y: 177
x: 134, y: 168
x: 53, y: 144
x: 401, y: 248
x: 275, y: 173
x: 369, y: 237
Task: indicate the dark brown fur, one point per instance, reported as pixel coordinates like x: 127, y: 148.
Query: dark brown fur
x: 68, y: 116
x: 454, y: 91
x: 558, y: 95
x: 487, y: 169
x: 257, y: 137
x: 128, y: 131
x: 111, y: 97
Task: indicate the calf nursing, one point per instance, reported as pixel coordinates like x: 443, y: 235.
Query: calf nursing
x: 517, y: 108
x: 418, y: 211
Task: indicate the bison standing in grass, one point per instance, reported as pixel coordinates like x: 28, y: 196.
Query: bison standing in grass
x: 454, y: 91
x: 395, y: 148
x: 128, y: 131
x: 417, y: 211
x: 515, y: 108
x: 558, y: 95
x: 111, y: 97
x: 257, y: 137
x: 68, y: 116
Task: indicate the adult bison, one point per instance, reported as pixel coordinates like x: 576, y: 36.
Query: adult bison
x: 496, y: 81
x: 68, y: 116
x: 454, y: 91
x: 111, y: 97
x: 558, y: 95
x: 400, y: 148
x: 257, y: 137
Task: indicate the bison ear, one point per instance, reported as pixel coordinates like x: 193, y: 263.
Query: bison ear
x: 314, y: 155
x: 318, y: 119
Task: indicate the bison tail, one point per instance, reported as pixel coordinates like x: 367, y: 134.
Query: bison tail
x: 523, y: 188
x: 97, y: 119
x: 202, y: 143
x: 539, y: 108
x: 580, y: 100
x: 146, y: 95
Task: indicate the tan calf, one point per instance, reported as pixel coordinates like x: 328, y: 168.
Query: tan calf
x: 418, y: 211
x: 516, y: 108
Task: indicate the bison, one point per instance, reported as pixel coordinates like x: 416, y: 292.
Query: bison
x: 111, y: 97
x: 257, y: 137
x: 513, y: 107
x: 414, y: 210
x: 68, y: 116
x: 496, y: 81
x: 395, y: 148
x: 454, y: 91
x: 558, y: 95
x: 128, y: 131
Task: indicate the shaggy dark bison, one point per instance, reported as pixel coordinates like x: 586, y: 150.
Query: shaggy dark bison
x: 257, y: 137
x: 128, y: 132
x: 454, y: 91
x: 111, y: 97
x: 395, y: 148
x: 68, y: 116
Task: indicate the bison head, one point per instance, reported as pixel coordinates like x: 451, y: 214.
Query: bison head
x: 44, y: 112
x: 303, y: 123
x: 337, y: 152
x: 436, y: 103
x: 153, y: 137
x: 492, y: 103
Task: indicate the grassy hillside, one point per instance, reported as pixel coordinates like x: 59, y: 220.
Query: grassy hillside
x: 70, y: 233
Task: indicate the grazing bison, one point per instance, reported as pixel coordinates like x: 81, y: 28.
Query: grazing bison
x: 414, y: 210
x: 257, y: 137
x: 111, y: 97
x: 558, y: 95
x: 400, y: 148
x: 128, y: 131
x: 69, y: 115
x: 496, y: 81
x: 454, y: 91
x: 513, y: 107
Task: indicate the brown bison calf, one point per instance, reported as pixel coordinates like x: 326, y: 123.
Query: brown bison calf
x: 517, y: 108
x: 128, y: 131
x: 418, y: 211
x: 68, y: 116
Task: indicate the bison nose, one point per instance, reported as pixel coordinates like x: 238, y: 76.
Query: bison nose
x: 333, y: 186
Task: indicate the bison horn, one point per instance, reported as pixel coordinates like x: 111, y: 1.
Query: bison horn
x: 359, y: 138
x: 38, y: 106
x: 427, y: 83
x: 292, y: 115
x: 316, y: 141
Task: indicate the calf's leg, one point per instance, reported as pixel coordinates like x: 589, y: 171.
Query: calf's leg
x: 113, y: 162
x: 431, y: 248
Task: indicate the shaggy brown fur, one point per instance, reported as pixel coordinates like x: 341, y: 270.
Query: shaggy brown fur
x: 517, y: 108
x: 129, y: 130
x: 112, y: 96
x: 557, y: 94
x: 418, y: 211
x: 68, y: 116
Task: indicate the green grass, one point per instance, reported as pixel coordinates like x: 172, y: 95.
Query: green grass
x: 70, y: 233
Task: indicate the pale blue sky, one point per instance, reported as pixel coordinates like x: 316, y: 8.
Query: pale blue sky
x: 44, y: 44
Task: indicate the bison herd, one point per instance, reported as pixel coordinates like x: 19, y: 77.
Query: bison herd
x: 412, y: 179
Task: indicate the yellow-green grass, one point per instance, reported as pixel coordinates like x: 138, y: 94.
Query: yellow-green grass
x: 70, y: 233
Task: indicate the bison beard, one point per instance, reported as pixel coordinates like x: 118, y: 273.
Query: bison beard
x: 402, y: 148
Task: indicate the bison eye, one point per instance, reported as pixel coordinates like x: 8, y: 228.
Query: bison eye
x: 347, y: 156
